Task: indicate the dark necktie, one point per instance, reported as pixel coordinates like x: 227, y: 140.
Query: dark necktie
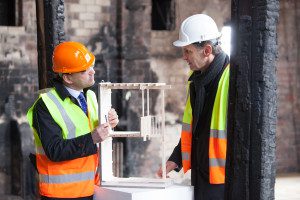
x: 82, y: 101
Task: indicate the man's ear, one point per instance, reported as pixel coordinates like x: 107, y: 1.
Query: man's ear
x: 67, y: 78
x: 207, y: 50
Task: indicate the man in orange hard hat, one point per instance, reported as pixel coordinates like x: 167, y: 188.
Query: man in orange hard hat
x: 203, y: 143
x: 65, y: 126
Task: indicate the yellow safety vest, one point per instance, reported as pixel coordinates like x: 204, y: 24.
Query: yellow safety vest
x: 73, y: 178
x: 218, y: 134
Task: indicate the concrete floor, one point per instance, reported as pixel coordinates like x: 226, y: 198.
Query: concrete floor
x: 287, y: 187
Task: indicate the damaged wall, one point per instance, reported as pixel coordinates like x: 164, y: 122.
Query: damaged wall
x: 127, y: 50
x: 118, y: 33
x: 18, y: 75
x: 288, y: 127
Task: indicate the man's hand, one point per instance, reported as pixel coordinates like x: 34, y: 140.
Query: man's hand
x: 170, y: 165
x: 100, y: 133
x: 113, y: 118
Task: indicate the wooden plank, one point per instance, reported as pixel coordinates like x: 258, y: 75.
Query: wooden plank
x: 125, y: 134
x: 135, y: 86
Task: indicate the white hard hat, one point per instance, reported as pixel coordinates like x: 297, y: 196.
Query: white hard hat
x: 197, y: 28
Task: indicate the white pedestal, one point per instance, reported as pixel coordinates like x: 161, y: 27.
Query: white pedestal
x: 174, y: 192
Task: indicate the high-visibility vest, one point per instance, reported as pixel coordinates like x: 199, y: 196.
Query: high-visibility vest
x: 218, y: 135
x: 73, y: 178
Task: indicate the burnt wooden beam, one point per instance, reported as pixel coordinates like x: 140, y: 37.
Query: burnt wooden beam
x: 50, y: 32
x: 16, y: 158
x: 252, y: 106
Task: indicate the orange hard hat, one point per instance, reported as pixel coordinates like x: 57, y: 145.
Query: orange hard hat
x: 71, y: 57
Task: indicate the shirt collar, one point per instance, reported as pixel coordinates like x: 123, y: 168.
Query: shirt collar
x: 74, y: 93
x: 62, y: 90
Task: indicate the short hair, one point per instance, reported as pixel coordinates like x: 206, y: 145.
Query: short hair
x: 58, y: 77
x: 215, y: 43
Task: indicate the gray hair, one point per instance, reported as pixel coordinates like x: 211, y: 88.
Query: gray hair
x: 215, y: 43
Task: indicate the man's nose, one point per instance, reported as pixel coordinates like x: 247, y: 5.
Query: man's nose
x: 91, y: 70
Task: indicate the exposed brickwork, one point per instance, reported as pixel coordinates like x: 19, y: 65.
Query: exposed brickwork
x: 19, y: 83
x: 84, y: 19
x: 18, y: 62
x: 288, y: 132
x: 118, y: 33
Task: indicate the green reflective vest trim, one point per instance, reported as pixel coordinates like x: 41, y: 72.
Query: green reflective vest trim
x: 63, y: 114
x: 219, y: 113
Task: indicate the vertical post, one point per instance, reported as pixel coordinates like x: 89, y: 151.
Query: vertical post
x: 50, y: 32
x: 41, y: 46
x: 163, y: 160
x: 148, y: 112
x: 105, y: 147
x: 99, y: 169
x: 143, y: 103
x: 250, y: 166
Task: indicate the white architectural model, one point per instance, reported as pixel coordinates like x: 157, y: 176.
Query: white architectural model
x: 150, y: 126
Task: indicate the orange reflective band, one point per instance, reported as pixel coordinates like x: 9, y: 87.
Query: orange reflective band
x: 217, y: 148
x: 186, y: 165
x: 217, y: 175
x: 186, y: 138
x: 79, y: 165
x: 70, y: 190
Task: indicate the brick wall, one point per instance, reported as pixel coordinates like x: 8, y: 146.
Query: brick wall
x: 85, y: 17
x: 288, y: 146
x: 119, y: 34
x: 19, y: 83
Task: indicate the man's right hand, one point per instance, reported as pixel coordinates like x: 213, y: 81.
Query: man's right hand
x: 100, y: 133
x: 170, y: 165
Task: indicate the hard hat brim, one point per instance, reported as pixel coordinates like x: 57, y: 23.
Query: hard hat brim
x: 179, y: 43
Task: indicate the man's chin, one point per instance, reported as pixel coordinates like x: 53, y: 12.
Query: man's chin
x: 90, y: 84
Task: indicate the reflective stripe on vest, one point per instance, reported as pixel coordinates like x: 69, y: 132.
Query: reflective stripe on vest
x: 67, y: 178
x: 73, y: 178
x: 218, y: 135
x: 70, y: 126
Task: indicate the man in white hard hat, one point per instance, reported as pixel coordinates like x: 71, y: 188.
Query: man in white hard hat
x: 202, y: 147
